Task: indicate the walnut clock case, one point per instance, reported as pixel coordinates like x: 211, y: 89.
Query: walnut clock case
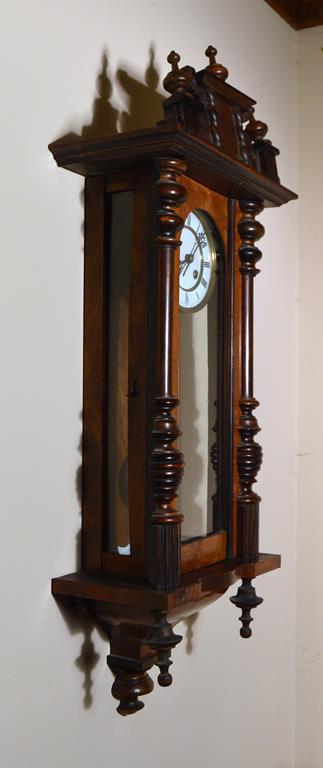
x: 170, y: 257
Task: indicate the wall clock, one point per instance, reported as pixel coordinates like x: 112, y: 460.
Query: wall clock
x: 170, y: 260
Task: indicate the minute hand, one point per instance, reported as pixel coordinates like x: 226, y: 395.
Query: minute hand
x: 194, y: 249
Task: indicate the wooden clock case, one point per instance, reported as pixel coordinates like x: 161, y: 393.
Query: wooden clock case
x: 208, y: 153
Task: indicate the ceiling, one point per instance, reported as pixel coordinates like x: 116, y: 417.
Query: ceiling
x: 299, y: 13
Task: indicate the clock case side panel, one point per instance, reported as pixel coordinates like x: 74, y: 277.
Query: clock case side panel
x: 202, y: 551
x: 95, y: 553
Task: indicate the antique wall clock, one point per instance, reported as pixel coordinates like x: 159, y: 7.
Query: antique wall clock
x: 170, y: 260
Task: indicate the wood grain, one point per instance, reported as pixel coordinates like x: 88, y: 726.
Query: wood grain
x: 205, y: 162
x: 93, y: 374
x: 299, y: 13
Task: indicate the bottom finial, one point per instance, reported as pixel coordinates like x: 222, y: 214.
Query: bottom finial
x: 129, y: 684
x: 246, y: 599
x: 163, y: 639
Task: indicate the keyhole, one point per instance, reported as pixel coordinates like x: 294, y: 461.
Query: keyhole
x: 133, y: 390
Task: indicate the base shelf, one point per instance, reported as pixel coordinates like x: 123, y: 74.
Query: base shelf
x: 139, y: 620
x: 197, y: 587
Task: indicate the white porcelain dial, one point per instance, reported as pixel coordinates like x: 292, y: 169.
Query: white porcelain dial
x: 198, y: 254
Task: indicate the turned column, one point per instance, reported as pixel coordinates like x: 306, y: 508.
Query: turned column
x: 249, y: 452
x: 167, y: 462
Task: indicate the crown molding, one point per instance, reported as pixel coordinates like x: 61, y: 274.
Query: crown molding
x: 299, y: 13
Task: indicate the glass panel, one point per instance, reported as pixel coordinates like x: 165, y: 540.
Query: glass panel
x: 200, y: 346
x: 120, y: 225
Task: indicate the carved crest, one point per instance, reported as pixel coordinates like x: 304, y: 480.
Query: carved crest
x: 207, y: 106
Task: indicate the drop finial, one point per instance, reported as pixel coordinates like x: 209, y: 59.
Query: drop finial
x: 162, y: 639
x: 246, y: 599
x: 218, y: 70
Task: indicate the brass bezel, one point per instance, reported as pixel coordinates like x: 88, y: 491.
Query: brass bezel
x: 215, y: 245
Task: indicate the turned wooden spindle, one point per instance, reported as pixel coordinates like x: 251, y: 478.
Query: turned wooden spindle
x: 246, y: 599
x: 167, y: 462
x: 218, y: 70
x: 176, y: 80
x: 131, y: 681
x: 162, y: 639
x: 249, y: 452
x: 256, y: 129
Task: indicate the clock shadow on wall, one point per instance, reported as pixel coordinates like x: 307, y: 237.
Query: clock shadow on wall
x: 143, y: 109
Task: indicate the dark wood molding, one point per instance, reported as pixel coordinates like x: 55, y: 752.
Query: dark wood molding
x: 300, y: 14
x: 139, y: 621
x: 196, y: 588
x: 205, y: 162
x: 249, y: 452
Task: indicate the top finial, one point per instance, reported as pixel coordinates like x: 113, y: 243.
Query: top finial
x: 256, y: 129
x: 173, y: 58
x: 217, y: 69
x: 176, y: 80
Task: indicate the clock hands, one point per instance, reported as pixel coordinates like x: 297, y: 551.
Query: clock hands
x: 186, y: 262
x: 189, y: 258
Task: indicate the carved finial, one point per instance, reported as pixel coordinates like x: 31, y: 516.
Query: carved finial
x: 217, y: 69
x: 173, y: 58
x: 162, y: 639
x: 256, y: 129
x: 130, y: 683
x: 176, y: 79
x: 246, y: 599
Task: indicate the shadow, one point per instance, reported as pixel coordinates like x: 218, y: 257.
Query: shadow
x: 143, y: 109
x: 78, y: 620
x: 78, y: 475
x: 105, y: 116
x: 78, y: 491
x: 86, y: 662
x: 144, y: 102
x: 142, y: 98
x: 190, y: 621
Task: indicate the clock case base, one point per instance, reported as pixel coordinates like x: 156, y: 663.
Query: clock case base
x: 139, y: 621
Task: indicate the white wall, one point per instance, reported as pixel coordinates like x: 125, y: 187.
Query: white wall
x: 232, y: 703
x: 309, y: 678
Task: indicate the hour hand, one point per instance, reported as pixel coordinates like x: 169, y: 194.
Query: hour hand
x: 185, y: 267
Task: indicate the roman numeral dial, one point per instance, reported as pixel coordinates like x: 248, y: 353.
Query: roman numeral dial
x: 198, y: 260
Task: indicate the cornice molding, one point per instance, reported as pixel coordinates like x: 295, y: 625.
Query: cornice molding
x: 299, y: 13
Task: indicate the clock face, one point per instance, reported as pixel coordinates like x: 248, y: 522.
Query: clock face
x: 198, y: 256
